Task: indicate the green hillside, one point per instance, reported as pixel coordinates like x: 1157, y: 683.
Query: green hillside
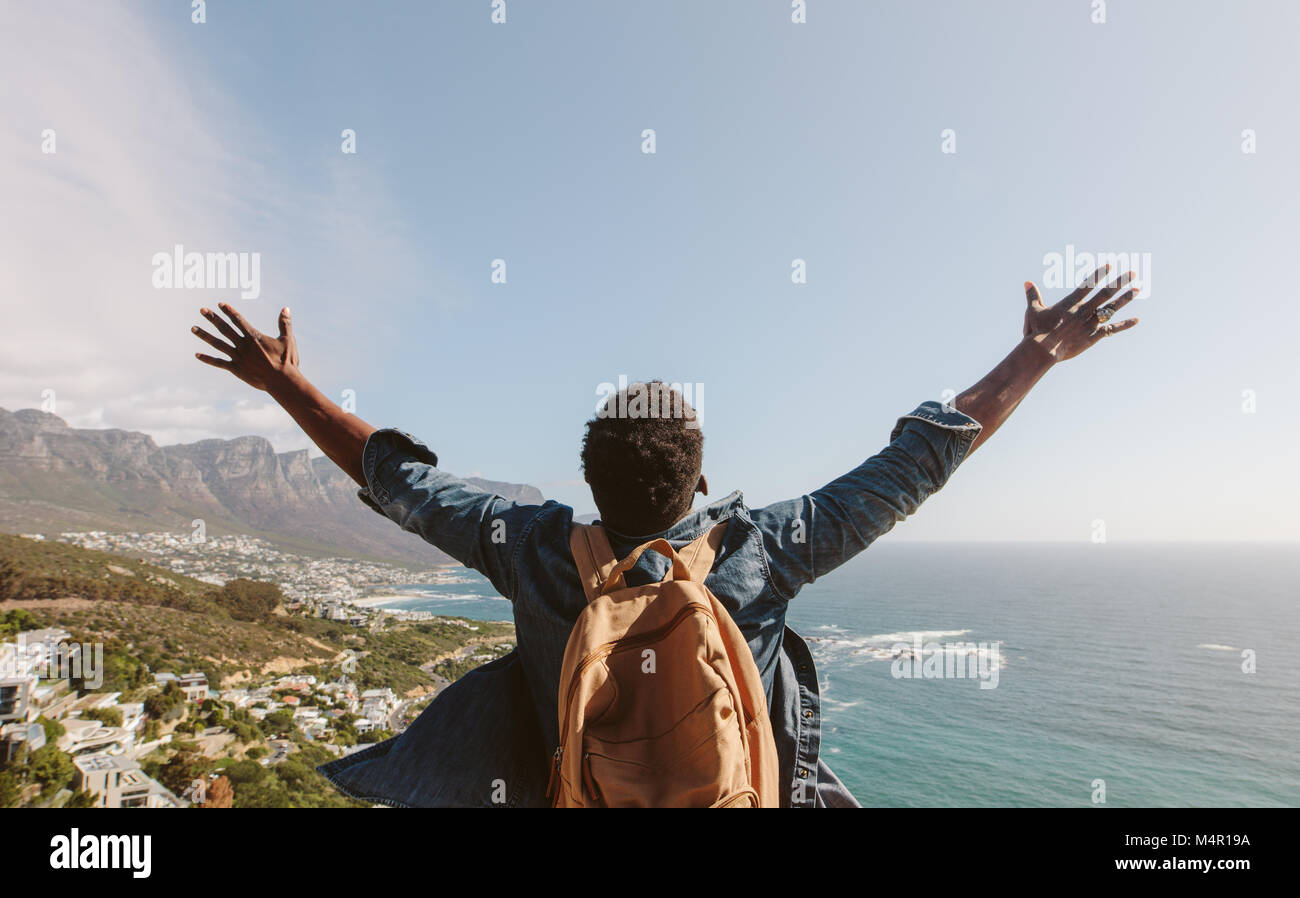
x: 32, y: 569
x: 151, y: 619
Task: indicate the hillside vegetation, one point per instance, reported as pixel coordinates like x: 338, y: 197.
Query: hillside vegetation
x: 32, y: 569
x: 150, y: 619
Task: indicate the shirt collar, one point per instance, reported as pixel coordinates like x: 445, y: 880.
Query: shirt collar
x: 694, y: 524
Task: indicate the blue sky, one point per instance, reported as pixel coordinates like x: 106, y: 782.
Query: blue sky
x: 774, y: 142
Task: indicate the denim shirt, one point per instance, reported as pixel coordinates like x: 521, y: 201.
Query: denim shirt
x: 487, y: 739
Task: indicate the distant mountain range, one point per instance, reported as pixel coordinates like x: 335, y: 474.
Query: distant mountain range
x: 56, y: 478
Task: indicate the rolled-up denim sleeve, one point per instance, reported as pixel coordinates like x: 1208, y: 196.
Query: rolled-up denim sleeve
x: 810, y: 536
x: 476, y: 527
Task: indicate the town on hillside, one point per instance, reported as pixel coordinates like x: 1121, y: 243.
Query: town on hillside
x: 86, y: 720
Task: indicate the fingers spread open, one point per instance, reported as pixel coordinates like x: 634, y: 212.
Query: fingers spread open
x: 1124, y: 299
x: 1085, y: 287
x: 214, y: 362
x: 1108, y: 329
x: 239, y: 319
x: 219, y: 345
x: 220, y: 324
x: 1087, y: 308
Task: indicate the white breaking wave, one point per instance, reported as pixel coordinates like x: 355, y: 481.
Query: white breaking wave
x: 402, y: 602
x: 911, y: 635
x: 1214, y: 646
x: 839, y: 706
x: 853, y: 650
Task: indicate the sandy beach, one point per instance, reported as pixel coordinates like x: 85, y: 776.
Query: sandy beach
x: 380, y: 600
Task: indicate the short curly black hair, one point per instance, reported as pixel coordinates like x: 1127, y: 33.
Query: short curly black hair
x: 642, y: 457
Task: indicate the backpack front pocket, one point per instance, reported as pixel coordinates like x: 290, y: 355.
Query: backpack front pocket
x: 703, y: 752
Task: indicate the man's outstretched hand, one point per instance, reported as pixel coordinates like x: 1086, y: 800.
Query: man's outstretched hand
x: 1071, y: 325
x: 257, y: 359
x: 271, y: 364
x: 1052, y: 334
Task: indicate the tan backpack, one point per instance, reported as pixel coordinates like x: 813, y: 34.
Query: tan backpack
x: 660, y: 703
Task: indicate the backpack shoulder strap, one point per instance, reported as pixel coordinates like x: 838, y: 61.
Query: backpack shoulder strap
x: 700, y: 553
x: 595, y: 558
x: 593, y: 555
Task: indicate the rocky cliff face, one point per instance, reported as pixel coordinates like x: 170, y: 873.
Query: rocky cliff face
x: 53, y: 477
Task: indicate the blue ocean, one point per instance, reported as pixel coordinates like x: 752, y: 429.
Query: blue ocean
x: 1144, y: 674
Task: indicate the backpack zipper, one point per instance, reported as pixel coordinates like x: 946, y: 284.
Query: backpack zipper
x: 589, y: 779
x: 609, y: 648
x: 555, y: 773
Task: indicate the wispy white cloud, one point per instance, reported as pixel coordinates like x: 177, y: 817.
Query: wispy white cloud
x: 149, y: 155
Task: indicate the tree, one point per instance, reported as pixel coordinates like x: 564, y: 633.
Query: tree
x: 168, y: 704
x: 221, y: 794
x: 18, y: 619
x: 83, y: 799
x: 192, y: 726
x: 122, y: 670
x: 253, y: 600
x: 278, y: 722
x: 53, y: 729
x: 108, y: 716
x: 51, y: 768
x: 183, y: 768
x: 11, y: 789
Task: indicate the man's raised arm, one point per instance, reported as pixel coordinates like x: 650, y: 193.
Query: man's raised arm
x: 271, y: 364
x: 398, y: 475
x: 807, y: 537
